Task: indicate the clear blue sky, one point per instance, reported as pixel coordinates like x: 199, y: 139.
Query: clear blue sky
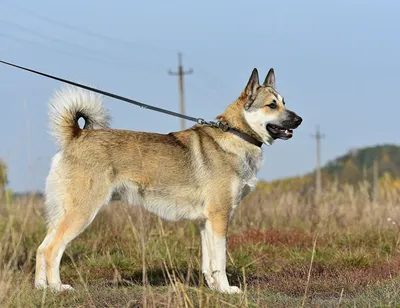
x: 337, y: 64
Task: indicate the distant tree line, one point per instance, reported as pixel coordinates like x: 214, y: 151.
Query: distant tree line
x: 352, y: 168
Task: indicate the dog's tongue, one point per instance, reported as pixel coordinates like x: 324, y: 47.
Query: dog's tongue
x: 288, y: 132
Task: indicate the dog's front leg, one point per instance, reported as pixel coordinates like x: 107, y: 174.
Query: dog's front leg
x: 214, y: 259
x: 205, y: 255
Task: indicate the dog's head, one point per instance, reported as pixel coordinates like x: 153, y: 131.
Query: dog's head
x: 265, y: 110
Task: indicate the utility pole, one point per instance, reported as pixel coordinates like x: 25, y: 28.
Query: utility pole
x: 365, y: 174
x: 375, y: 183
x: 180, y: 73
x: 318, y: 136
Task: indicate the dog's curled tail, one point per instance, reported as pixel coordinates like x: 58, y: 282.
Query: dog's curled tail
x: 70, y: 104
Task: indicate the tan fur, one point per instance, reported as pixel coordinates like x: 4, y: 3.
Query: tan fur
x: 201, y: 173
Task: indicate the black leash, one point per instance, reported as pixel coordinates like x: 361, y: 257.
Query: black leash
x: 200, y: 121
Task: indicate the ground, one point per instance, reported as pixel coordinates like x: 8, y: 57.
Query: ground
x: 293, y: 253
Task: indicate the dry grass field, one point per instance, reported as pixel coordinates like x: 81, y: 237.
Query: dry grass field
x: 284, y: 250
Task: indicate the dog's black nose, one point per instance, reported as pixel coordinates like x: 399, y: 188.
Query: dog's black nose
x: 297, y: 120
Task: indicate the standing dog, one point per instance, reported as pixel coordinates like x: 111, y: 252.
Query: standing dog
x: 201, y: 173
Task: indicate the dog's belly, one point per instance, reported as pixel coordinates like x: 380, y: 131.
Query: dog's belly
x: 164, y: 204
x: 173, y: 211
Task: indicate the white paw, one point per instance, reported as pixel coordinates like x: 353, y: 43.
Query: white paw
x: 62, y: 288
x: 66, y: 287
x: 209, y: 280
x: 232, y: 290
x: 41, y: 285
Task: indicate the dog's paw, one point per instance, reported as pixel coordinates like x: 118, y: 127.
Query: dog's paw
x: 41, y: 285
x: 209, y: 280
x: 62, y: 288
x: 66, y: 287
x: 231, y: 290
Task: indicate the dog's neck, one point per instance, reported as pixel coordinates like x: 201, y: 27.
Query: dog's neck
x: 234, y: 117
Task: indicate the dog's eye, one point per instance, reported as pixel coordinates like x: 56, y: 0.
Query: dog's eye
x: 283, y: 101
x: 273, y: 105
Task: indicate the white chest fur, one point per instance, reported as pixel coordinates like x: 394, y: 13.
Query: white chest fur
x: 249, y: 168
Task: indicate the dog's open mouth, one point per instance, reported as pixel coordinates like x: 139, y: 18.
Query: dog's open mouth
x: 278, y: 132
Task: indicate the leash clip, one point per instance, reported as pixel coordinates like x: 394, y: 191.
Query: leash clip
x: 224, y: 127
x: 201, y: 121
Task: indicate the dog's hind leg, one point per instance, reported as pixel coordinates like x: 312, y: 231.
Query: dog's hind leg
x: 40, y: 271
x: 53, y: 210
x: 77, y: 216
x: 71, y: 225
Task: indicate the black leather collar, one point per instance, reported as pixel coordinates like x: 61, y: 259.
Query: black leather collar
x: 244, y: 136
x: 226, y: 128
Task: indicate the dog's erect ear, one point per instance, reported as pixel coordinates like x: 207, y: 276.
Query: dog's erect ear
x: 270, y: 79
x: 251, y: 88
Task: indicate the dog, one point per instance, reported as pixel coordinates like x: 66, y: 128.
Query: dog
x: 201, y: 173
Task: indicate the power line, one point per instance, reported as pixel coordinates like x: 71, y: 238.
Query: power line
x: 105, y: 56
x: 180, y: 73
x: 109, y: 39
x: 83, y: 30
x: 68, y: 53
x: 56, y: 40
x: 25, y: 41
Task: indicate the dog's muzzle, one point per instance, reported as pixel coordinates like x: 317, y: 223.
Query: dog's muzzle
x: 285, y: 130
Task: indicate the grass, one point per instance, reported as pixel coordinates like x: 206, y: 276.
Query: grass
x: 283, y: 251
